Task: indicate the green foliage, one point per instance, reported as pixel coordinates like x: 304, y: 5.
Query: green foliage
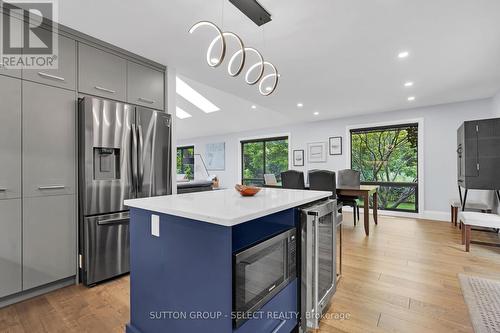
x: 263, y: 157
x: 388, y: 156
x: 185, y: 168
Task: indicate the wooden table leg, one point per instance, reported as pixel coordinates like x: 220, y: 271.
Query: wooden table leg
x: 366, y: 213
x: 375, y: 207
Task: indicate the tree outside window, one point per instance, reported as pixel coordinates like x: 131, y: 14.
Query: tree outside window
x: 185, y: 161
x: 263, y: 156
x: 388, y: 156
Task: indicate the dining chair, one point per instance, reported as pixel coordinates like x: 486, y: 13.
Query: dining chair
x: 350, y: 178
x: 323, y: 180
x: 270, y: 179
x: 293, y: 179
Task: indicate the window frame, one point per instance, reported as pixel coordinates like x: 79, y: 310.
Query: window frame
x: 415, y: 124
x: 262, y: 140
x: 182, y: 149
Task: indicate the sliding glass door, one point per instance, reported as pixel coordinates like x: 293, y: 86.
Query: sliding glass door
x: 388, y: 156
x: 263, y: 156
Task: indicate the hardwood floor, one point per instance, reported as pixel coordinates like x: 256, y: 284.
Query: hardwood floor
x: 403, y: 278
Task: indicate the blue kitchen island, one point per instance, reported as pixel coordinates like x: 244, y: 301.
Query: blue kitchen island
x: 200, y: 261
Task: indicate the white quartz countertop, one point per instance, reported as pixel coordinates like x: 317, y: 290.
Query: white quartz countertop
x: 227, y: 207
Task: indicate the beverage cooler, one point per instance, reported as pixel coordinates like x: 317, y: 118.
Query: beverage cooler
x: 321, y: 260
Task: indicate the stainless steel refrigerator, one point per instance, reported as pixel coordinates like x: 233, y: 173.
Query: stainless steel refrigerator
x: 124, y: 152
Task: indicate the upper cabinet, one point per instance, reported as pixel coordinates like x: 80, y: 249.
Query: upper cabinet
x: 101, y: 73
x: 145, y: 86
x: 16, y: 31
x: 65, y: 75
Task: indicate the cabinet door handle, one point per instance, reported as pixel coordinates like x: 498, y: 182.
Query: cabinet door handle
x: 49, y: 76
x: 3, y: 189
x: 105, y: 89
x: 145, y: 100
x: 51, y: 187
x: 277, y: 329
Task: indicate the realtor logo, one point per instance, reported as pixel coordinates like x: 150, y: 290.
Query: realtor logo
x: 29, y: 34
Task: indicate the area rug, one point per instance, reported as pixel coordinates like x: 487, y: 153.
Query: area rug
x: 482, y: 297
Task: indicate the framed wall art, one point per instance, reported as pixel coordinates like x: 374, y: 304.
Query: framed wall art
x: 316, y: 152
x: 215, y: 155
x: 298, y: 158
x: 335, y: 146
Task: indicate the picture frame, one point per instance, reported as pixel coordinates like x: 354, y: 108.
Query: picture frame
x: 335, y: 145
x: 215, y: 156
x: 316, y: 152
x: 298, y: 157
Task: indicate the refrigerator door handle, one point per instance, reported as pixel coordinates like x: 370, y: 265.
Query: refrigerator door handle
x: 134, y: 157
x: 140, y: 156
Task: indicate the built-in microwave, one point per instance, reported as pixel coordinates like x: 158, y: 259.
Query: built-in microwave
x: 262, y: 271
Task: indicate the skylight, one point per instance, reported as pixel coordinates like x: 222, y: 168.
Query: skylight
x: 181, y: 114
x: 194, y: 97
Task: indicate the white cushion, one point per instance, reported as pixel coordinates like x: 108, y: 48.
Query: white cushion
x: 471, y: 204
x: 480, y: 219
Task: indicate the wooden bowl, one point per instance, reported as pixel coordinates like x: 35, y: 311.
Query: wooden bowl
x: 247, y: 191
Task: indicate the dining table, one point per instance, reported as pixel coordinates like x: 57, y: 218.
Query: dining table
x: 364, y: 192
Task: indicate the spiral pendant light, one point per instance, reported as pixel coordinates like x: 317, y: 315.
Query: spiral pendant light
x: 258, y: 67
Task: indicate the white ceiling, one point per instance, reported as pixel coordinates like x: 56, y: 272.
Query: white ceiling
x: 338, y: 57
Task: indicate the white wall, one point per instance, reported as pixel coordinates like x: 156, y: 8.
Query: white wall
x: 440, y: 125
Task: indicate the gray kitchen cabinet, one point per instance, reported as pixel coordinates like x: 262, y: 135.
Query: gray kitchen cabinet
x: 16, y: 35
x: 10, y: 247
x: 145, y: 86
x: 49, y: 239
x: 49, y: 140
x: 10, y: 138
x: 101, y: 73
x: 65, y: 74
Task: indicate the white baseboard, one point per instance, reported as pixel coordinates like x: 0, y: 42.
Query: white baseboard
x: 427, y: 215
x: 436, y: 215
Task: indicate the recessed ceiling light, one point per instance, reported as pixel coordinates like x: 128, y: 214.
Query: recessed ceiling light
x: 403, y: 54
x: 316, y: 113
x: 408, y: 84
x: 254, y: 107
x: 299, y: 105
x: 194, y: 97
x: 181, y: 114
x: 411, y: 98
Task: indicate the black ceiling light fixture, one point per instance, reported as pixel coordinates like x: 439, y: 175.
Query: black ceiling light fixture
x: 253, y: 10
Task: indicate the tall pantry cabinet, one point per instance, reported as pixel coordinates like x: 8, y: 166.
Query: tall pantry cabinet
x: 38, y: 174
x: 10, y: 186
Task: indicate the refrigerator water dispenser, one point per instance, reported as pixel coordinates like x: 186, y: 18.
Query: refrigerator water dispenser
x: 106, y: 163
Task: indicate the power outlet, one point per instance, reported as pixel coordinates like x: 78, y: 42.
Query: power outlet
x: 155, y: 225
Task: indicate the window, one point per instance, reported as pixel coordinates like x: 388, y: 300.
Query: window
x: 263, y: 156
x: 185, y: 161
x: 388, y: 156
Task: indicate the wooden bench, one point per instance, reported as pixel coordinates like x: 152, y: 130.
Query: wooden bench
x: 476, y: 219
